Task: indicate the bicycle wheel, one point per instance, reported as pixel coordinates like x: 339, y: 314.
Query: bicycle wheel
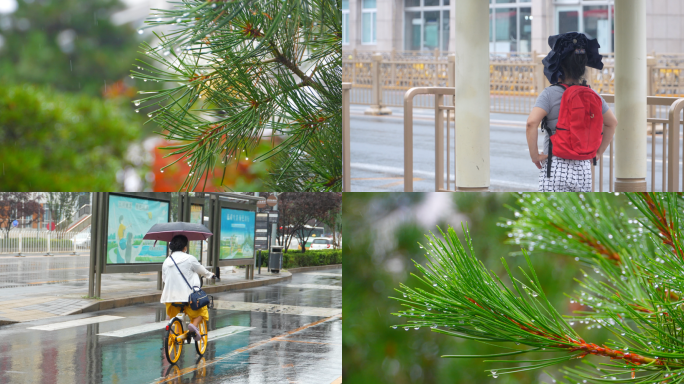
x: 201, y: 345
x: 172, y: 348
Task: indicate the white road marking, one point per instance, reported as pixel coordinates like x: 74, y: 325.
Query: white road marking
x: 135, y: 330
x: 275, y: 308
x: 227, y: 331
x: 315, y: 286
x: 149, y: 327
x: 75, y: 323
x: 322, y: 274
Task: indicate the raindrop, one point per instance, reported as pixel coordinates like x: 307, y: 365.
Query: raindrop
x: 406, y: 328
x: 162, y: 171
x: 137, y: 110
x: 416, y: 328
x: 140, y: 31
x: 394, y: 327
x: 149, y: 115
x: 137, y: 103
x: 494, y: 374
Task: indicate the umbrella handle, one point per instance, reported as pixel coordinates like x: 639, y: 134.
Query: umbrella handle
x: 155, y: 244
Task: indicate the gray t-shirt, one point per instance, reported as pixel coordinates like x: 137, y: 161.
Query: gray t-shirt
x: 549, y: 100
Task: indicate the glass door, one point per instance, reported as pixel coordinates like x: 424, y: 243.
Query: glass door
x: 568, y: 19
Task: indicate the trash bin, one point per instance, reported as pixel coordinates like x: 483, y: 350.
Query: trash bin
x: 275, y: 259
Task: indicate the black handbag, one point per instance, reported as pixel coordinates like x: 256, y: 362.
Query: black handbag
x: 198, y: 298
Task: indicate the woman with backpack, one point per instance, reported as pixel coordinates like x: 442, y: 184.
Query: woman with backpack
x: 578, y: 124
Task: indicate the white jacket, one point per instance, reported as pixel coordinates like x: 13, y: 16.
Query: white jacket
x: 175, y: 288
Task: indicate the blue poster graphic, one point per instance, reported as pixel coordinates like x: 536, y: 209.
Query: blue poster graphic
x: 129, y: 220
x: 237, y: 234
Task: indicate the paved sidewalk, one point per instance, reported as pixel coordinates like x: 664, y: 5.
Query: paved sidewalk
x: 23, y: 302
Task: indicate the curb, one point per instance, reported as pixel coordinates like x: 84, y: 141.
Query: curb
x: 316, y: 268
x: 155, y: 297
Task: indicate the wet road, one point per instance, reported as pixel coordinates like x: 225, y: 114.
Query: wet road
x: 377, y: 153
x: 284, y: 333
x: 38, y: 270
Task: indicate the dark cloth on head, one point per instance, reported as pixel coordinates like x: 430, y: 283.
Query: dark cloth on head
x: 565, y: 44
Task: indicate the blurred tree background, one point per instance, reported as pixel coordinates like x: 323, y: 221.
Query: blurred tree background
x: 71, y: 45
x: 381, y: 232
x: 67, y: 117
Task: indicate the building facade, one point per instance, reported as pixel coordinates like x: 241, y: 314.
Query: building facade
x: 514, y: 25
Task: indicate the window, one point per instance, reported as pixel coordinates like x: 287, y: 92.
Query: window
x: 321, y: 241
x: 345, y: 21
x: 595, y: 20
x: 368, y: 14
x: 510, y: 26
x: 426, y: 25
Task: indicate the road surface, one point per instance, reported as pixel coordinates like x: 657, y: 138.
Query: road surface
x: 377, y: 153
x: 284, y: 333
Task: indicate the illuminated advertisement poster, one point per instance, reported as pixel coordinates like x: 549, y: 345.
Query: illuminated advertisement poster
x: 237, y: 234
x: 129, y: 220
x: 195, y: 247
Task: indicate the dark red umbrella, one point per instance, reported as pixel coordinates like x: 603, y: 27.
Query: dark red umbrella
x: 166, y: 231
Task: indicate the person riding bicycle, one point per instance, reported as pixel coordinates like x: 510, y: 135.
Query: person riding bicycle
x: 176, y: 291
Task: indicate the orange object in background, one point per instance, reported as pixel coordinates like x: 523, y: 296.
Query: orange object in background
x: 242, y: 175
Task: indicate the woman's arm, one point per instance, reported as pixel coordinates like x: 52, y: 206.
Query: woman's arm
x: 199, y: 268
x: 533, y: 121
x: 609, y: 124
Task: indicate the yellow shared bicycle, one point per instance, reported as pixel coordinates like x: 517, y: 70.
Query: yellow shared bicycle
x: 177, y: 333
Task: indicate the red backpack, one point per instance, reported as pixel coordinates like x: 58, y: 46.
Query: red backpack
x: 579, y: 131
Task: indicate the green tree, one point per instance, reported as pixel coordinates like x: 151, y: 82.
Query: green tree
x: 634, y: 291
x: 239, y: 72
x: 52, y: 141
x: 61, y: 205
x: 69, y: 44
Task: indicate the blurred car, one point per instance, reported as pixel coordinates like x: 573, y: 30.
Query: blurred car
x: 322, y: 243
x: 82, y: 240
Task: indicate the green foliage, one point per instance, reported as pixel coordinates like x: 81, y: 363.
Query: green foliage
x: 635, y: 290
x: 243, y: 71
x: 294, y: 259
x: 48, y: 142
x: 93, y: 50
x: 382, y: 231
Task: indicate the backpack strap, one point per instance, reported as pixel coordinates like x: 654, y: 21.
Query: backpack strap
x: 181, y: 273
x: 550, y: 160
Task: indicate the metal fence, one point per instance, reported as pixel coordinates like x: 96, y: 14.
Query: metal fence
x: 26, y: 241
x: 515, y: 78
x: 663, y: 141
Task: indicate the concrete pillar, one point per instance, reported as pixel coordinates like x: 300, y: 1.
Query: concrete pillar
x: 472, y: 94
x: 630, y: 95
x: 376, y: 107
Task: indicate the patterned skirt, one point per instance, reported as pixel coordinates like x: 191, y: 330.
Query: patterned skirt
x: 566, y: 176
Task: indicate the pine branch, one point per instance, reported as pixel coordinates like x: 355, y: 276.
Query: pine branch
x: 464, y: 300
x: 243, y: 72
